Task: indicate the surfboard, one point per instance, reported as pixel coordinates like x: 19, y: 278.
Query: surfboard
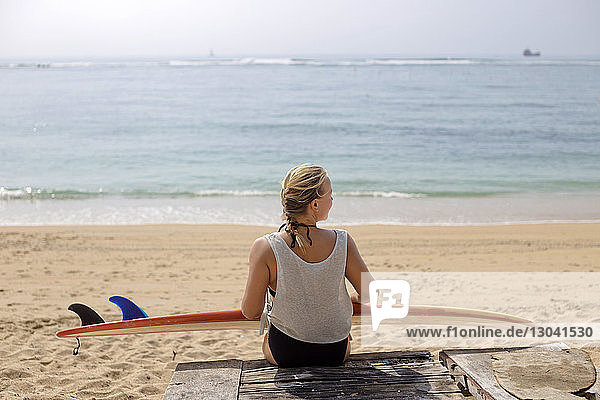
x: 136, y: 321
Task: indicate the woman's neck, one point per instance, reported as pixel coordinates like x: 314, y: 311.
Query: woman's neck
x: 306, y: 221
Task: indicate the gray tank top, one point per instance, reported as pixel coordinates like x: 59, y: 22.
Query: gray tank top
x: 311, y: 301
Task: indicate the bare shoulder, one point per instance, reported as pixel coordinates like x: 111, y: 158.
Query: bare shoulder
x: 353, y: 257
x: 260, y: 245
x: 261, y: 249
x: 351, y: 243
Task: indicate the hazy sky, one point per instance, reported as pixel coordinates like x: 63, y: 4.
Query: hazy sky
x: 79, y: 28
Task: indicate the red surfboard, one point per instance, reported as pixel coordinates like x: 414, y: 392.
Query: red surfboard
x: 135, y: 321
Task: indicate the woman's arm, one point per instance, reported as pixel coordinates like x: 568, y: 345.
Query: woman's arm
x: 253, y: 301
x: 355, y: 266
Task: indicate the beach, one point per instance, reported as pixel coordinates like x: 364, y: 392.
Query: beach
x: 170, y: 269
x: 150, y: 178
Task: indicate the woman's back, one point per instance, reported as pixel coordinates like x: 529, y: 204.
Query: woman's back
x: 323, y: 243
x: 311, y: 314
x: 311, y: 302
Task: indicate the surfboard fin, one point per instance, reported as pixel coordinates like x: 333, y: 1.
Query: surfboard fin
x: 86, y: 314
x: 129, y: 309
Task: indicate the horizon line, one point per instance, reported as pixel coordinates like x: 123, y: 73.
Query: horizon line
x: 291, y: 55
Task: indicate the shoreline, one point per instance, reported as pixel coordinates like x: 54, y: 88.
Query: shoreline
x: 323, y: 225
x: 266, y: 211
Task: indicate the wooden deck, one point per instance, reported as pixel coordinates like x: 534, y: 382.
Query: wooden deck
x: 391, y: 375
x: 472, y: 370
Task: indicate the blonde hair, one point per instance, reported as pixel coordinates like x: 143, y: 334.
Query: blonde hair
x: 301, y: 185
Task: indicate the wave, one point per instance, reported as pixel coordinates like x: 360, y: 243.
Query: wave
x: 31, y: 193
x: 417, y: 195
x: 381, y: 194
x: 287, y: 61
x: 41, y: 194
x: 246, y: 61
x: 83, y: 64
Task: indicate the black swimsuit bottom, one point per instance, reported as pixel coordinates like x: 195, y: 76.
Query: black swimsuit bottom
x: 290, y: 352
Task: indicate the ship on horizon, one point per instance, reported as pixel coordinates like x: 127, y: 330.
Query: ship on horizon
x: 529, y: 53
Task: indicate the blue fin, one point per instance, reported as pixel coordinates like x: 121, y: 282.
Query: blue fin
x: 129, y: 309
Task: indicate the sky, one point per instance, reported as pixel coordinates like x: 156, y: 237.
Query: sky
x: 124, y: 28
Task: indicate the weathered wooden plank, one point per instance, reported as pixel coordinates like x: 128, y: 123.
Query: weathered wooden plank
x: 359, y: 370
x: 357, y: 357
x: 205, y: 380
x: 360, y: 390
x: 413, y: 355
x: 349, y: 380
x: 473, y: 369
x: 403, y: 375
x: 393, y: 375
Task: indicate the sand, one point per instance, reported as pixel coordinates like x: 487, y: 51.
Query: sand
x: 169, y: 269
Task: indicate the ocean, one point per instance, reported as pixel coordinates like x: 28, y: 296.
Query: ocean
x: 415, y: 141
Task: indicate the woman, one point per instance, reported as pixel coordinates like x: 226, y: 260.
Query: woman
x: 304, y: 268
